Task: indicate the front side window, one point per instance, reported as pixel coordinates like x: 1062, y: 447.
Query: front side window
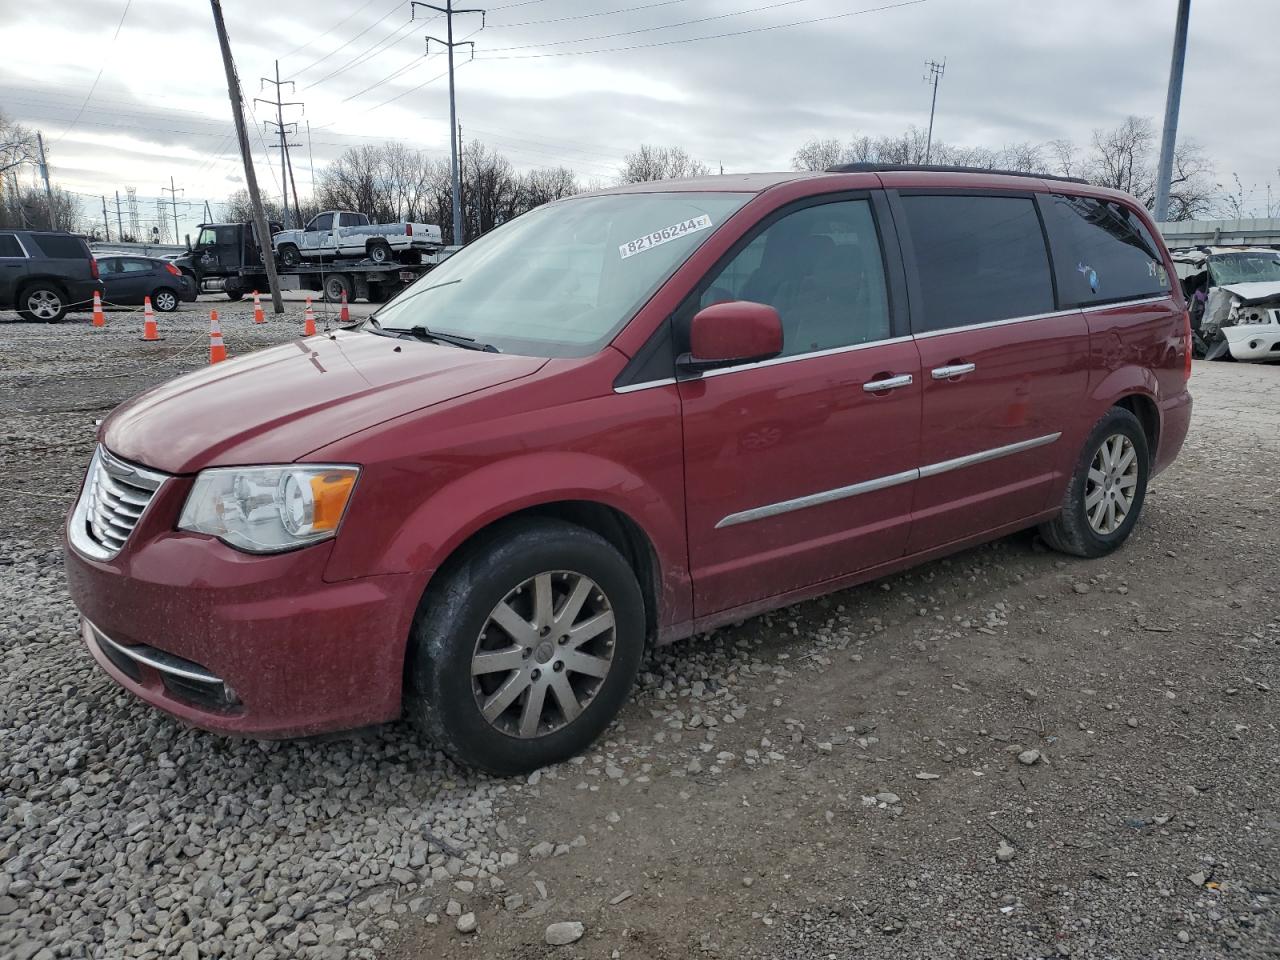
x: 563, y: 279
x: 1103, y: 252
x: 9, y: 246
x: 978, y: 258
x: 322, y: 222
x: 208, y: 237
x: 821, y: 269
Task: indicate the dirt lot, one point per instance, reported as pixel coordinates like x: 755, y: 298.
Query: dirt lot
x: 847, y: 777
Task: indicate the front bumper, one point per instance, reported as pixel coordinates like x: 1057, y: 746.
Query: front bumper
x: 239, y: 644
x: 1253, y: 341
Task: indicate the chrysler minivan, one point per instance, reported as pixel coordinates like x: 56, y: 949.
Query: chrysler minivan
x: 619, y: 420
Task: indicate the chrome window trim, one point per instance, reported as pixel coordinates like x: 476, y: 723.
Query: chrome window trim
x: 829, y: 352
x: 646, y: 385
x: 982, y: 456
x: 885, y: 482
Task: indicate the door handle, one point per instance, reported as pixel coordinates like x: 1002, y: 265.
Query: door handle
x: 953, y: 370
x: 888, y: 383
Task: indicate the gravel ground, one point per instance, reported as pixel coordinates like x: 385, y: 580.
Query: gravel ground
x: 1001, y: 754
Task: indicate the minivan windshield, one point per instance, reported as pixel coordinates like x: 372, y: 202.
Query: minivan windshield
x: 561, y: 280
x: 1254, y: 267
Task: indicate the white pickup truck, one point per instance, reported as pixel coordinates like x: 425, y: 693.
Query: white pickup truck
x: 343, y: 234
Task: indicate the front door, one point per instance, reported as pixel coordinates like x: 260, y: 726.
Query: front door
x: 1004, y: 371
x: 800, y: 468
x: 319, y: 235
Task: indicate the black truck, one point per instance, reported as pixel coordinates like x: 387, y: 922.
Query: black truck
x: 227, y: 257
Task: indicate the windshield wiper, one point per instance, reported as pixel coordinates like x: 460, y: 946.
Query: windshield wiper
x: 456, y: 339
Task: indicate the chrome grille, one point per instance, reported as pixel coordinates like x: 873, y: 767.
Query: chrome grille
x: 115, y: 496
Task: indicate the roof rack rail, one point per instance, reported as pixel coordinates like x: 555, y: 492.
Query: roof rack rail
x: 863, y: 167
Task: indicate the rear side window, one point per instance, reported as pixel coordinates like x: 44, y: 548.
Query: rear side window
x: 821, y: 269
x: 57, y: 247
x: 1102, y: 251
x: 136, y: 266
x: 978, y: 259
x: 9, y: 246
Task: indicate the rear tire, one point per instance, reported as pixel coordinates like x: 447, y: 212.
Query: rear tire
x: 1107, y: 489
x: 380, y: 252
x: 335, y: 284
x: 558, y: 612
x: 42, y: 303
x: 165, y: 300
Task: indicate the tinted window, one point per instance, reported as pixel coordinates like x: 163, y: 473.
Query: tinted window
x: 821, y: 269
x: 9, y: 246
x: 136, y: 266
x: 109, y: 265
x: 978, y: 258
x: 1102, y: 251
x: 57, y: 247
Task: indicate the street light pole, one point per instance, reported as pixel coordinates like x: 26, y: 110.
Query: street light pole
x: 1168, y: 139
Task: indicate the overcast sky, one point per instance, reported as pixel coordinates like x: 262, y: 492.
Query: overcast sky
x: 550, y: 85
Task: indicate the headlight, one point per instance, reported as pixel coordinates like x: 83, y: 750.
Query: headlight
x: 269, y: 509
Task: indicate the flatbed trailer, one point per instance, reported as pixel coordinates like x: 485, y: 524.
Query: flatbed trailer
x: 227, y: 259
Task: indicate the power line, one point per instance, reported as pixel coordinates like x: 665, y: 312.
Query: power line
x: 394, y: 38
x: 398, y: 4
x: 713, y: 36
x: 585, y: 16
x: 319, y: 36
x: 662, y: 26
x: 94, y: 85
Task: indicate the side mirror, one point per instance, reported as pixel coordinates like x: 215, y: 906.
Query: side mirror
x: 738, y: 331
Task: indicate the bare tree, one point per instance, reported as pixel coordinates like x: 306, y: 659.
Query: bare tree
x: 542, y: 186
x: 17, y: 145
x: 1064, y: 157
x: 660, y: 163
x: 817, y: 154
x: 1124, y: 159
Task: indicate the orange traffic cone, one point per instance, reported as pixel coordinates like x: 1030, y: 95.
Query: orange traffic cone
x: 149, y: 330
x: 99, y: 318
x: 217, y: 350
x: 309, y: 322
x: 344, y: 314
x: 258, y: 315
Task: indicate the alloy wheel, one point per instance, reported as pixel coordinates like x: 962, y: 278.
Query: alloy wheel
x: 543, y: 654
x: 1111, y: 484
x: 44, y: 304
x: 166, y: 302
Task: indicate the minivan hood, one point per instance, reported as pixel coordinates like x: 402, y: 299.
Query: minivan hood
x: 279, y: 404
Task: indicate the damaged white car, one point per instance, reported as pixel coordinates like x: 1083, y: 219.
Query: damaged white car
x: 1234, y: 293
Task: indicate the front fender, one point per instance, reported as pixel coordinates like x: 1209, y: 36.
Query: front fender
x: 472, y: 500
x: 287, y: 236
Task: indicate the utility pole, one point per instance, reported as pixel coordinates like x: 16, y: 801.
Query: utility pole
x: 250, y: 176
x: 1164, y: 173
x: 936, y: 70
x: 119, y: 219
x: 280, y: 126
x: 173, y: 195
x: 449, y: 43
x: 208, y: 215
x: 44, y: 172
x: 106, y: 222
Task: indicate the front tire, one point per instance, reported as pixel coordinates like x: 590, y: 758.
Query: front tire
x: 1107, y: 489
x: 290, y: 256
x: 525, y: 650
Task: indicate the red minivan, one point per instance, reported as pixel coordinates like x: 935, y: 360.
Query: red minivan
x: 621, y: 419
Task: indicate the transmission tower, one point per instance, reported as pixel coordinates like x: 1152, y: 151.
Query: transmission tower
x: 131, y: 203
x: 282, y: 131
x: 162, y: 221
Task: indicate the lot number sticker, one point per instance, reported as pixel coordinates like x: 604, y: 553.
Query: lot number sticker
x: 665, y: 235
